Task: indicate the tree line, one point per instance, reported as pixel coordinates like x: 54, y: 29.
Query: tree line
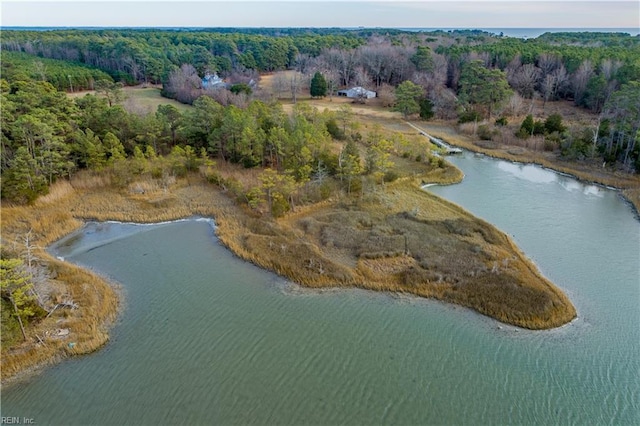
x: 466, y: 75
x: 584, y: 67
x: 135, y: 56
x: 47, y: 136
x: 63, y: 75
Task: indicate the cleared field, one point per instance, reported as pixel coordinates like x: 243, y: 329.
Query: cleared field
x: 140, y: 100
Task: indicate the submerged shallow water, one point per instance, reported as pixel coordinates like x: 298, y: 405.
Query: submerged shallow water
x: 207, y: 338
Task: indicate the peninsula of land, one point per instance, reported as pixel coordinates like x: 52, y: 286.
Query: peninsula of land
x: 397, y: 238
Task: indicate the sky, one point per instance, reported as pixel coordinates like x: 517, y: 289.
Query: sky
x: 328, y: 13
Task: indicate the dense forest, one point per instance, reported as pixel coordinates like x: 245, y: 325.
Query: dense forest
x: 47, y: 136
x: 469, y: 76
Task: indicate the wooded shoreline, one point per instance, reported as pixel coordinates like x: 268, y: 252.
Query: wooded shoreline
x: 628, y: 184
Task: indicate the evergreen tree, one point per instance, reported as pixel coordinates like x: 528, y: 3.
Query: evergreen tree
x: 318, y: 85
x: 349, y: 164
x: 553, y: 123
x: 422, y: 59
x: 407, y: 95
x: 113, y: 148
x: 426, y: 109
x: 21, y: 182
x: 16, y: 284
x: 526, y: 128
x: 482, y: 86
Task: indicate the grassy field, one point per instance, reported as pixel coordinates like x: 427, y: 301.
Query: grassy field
x: 141, y: 100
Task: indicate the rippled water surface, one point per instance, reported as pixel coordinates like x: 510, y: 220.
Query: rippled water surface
x: 205, y: 338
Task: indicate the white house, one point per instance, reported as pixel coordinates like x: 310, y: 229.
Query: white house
x: 357, y: 93
x: 209, y: 81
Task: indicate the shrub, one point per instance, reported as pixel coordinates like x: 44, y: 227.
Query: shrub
x: 484, y: 132
x: 553, y: 123
x: 390, y: 176
x: 502, y: 121
x: 279, y: 205
x: 538, y: 128
x: 530, y: 127
x: 522, y: 133
x: 241, y: 88
x: 334, y: 130
x: 235, y: 187
x: 468, y: 116
x: 527, y: 126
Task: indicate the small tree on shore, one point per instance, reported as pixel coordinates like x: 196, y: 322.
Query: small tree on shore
x: 16, y: 285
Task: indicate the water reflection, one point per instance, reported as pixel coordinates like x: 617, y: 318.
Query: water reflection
x: 537, y: 174
x: 97, y: 234
x: 528, y: 172
x: 572, y: 185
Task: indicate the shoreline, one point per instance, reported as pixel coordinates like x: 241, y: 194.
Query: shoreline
x: 236, y: 231
x: 587, y: 176
x: 634, y: 205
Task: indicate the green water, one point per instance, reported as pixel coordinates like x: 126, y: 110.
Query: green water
x: 205, y: 338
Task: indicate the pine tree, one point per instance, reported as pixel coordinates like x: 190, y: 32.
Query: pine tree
x: 15, y: 284
x: 318, y: 85
x: 407, y: 95
x: 483, y: 87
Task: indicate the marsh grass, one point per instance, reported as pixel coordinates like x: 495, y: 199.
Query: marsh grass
x: 423, y: 245
x: 395, y: 237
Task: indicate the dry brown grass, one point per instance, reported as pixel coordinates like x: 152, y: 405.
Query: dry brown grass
x: 343, y: 241
x: 141, y: 99
x: 288, y: 247
x: 449, y: 255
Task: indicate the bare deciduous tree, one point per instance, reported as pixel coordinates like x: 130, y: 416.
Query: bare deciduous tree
x: 295, y: 85
x: 279, y: 84
x: 553, y: 83
x: 439, y: 69
x: 184, y: 84
x: 40, y: 70
x: 444, y: 102
x: 304, y: 63
x: 609, y: 68
x: 342, y: 62
x: 548, y: 63
x: 379, y: 60
x: 514, y: 106
x: 580, y: 79
x: 524, y: 78
x: 386, y: 95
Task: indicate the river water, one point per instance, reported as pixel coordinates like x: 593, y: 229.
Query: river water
x: 205, y: 338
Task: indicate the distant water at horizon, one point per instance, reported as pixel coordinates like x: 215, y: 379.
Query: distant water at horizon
x: 507, y: 32
x: 534, y: 32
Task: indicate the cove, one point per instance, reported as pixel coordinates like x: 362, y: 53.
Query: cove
x: 207, y: 338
